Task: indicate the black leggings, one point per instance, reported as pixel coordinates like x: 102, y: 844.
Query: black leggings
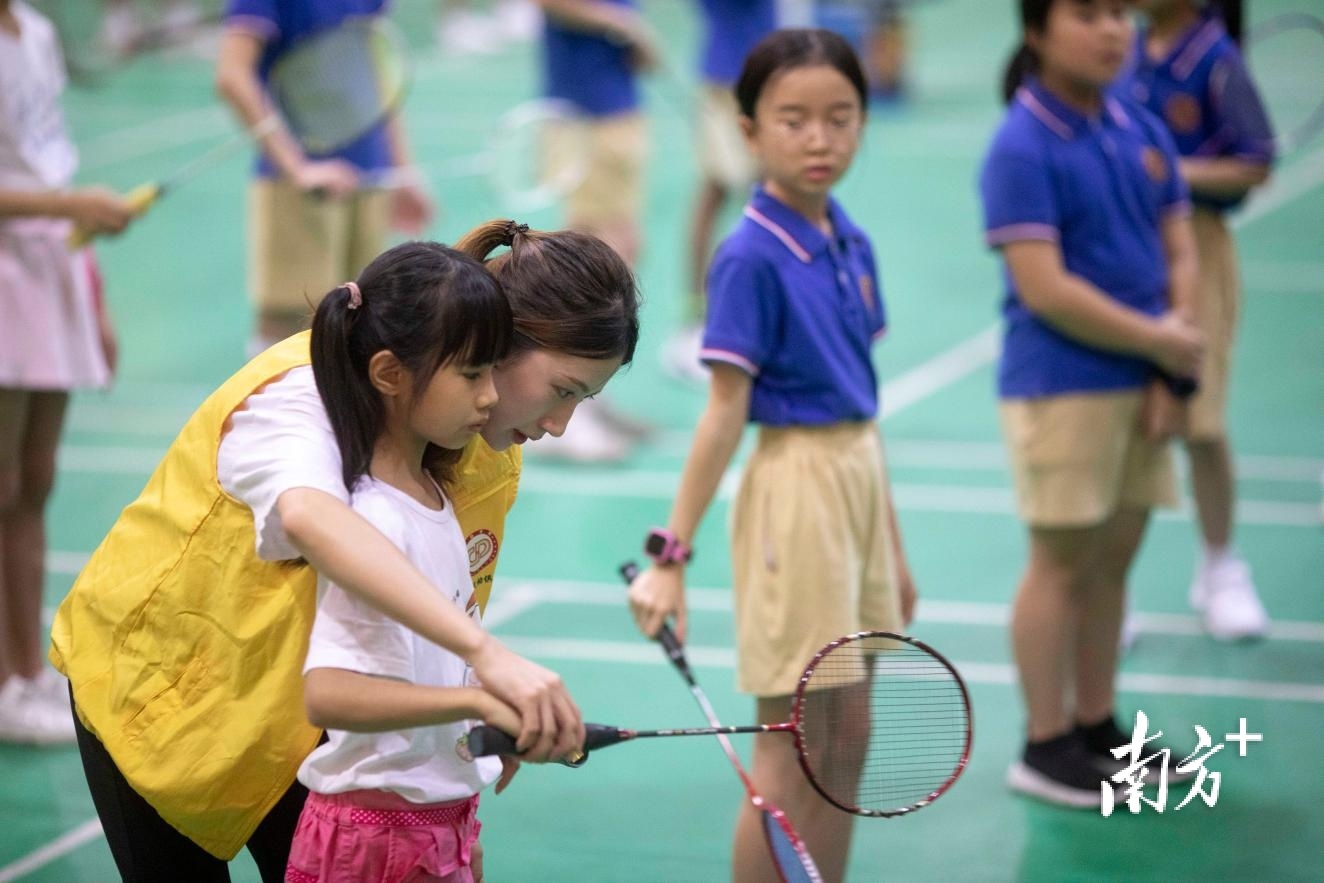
x: 147, y: 849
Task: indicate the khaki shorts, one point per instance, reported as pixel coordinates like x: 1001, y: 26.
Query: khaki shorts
x: 302, y: 245
x: 1077, y: 459
x: 812, y: 550
x: 722, y: 154
x: 1218, y: 301
x: 611, y: 151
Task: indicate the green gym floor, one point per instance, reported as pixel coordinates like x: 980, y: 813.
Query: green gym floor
x: 663, y: 811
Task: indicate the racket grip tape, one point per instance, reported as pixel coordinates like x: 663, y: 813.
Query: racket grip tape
x: 484, y: 740
x: 139, y: 199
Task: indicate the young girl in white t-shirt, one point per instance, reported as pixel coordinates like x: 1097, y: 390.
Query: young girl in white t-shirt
x: 403, y: 361
x: 54, y: 337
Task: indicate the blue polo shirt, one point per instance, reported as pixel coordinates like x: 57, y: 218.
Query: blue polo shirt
x: 1100, y: 187
x: 733, y: 28
x: 799, y: 312
x: 1204, y: 93
x: 281, y: 25
x: 588, y: 70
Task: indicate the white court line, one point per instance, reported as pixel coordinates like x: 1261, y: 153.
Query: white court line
x: 512, y: 596
x: 642, y: 653
x: 60, y: 846
x: 927, y: 378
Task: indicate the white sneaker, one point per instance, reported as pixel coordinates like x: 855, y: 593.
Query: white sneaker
x: 468, y: 33
x: 520, y: 20
x: 588, y: 438
x: 28, y: 716
x: 1225, y: 593
x: 680, y: 356
x: 121, y: 30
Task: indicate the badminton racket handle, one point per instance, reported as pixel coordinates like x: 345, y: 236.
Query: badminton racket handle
x: 665, y: 636
x: 484, y: 740
x: 139, y: 199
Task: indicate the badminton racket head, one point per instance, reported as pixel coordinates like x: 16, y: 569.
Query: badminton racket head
x: 788, y: 851
x: 339, y: 84
x: 1285, y: 57
x: 882, y: 724
x: 538, y: 154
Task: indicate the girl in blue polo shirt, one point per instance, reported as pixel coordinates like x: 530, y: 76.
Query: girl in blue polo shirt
x: 794, y: 306
x: 1188, y: 71
x: 1083, y: 198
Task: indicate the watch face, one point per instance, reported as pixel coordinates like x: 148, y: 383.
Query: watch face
x: 655, y: 545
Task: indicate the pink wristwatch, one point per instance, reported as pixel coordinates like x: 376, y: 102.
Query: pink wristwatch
x: 664, y: 547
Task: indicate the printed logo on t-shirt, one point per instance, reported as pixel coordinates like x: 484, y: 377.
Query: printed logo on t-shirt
x: 1182, y: 113
x: 482, y: 547
x: 1156, y: 166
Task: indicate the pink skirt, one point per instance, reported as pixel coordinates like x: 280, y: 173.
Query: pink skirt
x: 49, y: 331
x: 379, y: 837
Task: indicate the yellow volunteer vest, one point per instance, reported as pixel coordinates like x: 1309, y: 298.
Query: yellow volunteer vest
x: 185, y: 650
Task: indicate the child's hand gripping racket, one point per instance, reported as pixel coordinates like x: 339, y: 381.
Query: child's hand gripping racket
x: 331, y: 89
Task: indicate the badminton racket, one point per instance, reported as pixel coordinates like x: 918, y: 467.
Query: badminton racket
x: 329, y: 90
x: 535, y: 155
x: 1285, y: 55
x: 881, y: 724
x: 789, y: 854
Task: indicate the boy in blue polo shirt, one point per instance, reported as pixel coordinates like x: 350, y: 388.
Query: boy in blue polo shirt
x: 1082, y: 196
x: 731, y: 29
x: 312, y: 224
x: 794, y: 308
x: 1187, y: 71
x: 592, y: 51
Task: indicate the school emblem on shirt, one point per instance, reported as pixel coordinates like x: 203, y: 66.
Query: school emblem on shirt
x: 482, y: 547
x: 1156, y: 166
x: 1182, y: 113
x: 866, y: 289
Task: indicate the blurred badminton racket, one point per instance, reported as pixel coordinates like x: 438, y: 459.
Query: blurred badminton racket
x: 328, y: 91
x: 1285, y: 55
x: 535, y: 155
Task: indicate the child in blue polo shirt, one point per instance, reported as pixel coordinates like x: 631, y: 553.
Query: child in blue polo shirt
x: 1187, y: 71
x: 794, y: 306
x: 1082, y: 196
x: 731, y: 29
x: 592, y: 51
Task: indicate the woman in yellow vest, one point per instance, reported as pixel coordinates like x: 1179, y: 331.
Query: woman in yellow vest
x: 184, y: 636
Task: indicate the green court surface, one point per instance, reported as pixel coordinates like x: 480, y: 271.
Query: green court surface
x: 663, y: 810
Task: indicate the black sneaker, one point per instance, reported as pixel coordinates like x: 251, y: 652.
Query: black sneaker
x: 1060, y: 770
x: 1099, y: 740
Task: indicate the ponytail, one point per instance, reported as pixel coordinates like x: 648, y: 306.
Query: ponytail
x: 1024, y: 62
x: 357, y: 414
x: 569, y: 291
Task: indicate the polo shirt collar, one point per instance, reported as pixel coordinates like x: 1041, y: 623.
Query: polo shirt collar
x: 1061, y: 118
x: 1186, y: 51
x: 793, y: 229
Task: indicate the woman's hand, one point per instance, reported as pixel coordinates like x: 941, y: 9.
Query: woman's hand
x: 550, y: 726
x: 509, y: 767
x: 657, y: 593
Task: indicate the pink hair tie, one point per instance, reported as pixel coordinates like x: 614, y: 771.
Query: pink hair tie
x: 355, y: 296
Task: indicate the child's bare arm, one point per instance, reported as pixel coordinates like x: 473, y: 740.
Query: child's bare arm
x: 346, y: 700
